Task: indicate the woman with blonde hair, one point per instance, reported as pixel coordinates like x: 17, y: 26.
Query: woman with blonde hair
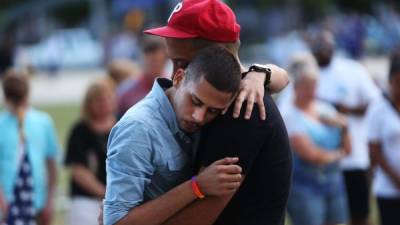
x: 318, y: 136
x: 86, y: 153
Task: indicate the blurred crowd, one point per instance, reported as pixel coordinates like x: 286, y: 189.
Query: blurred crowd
x: 29, y: 148
x: 344, y: 132
x: 49, y: 43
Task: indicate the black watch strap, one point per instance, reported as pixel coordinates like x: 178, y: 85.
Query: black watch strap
x: 261, y: 69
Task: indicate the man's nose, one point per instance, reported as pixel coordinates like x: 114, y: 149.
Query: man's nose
x: 199, y: 114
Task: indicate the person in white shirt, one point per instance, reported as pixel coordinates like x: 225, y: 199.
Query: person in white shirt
x: 345, y: 84
x: 383, y: 120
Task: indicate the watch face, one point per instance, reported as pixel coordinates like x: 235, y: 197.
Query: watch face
x: 259, y: 68
x: 259, y: 65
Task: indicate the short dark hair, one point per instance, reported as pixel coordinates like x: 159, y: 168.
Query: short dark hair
x: 394, y: 64
x: 15, y: 87
x: 218, y: 66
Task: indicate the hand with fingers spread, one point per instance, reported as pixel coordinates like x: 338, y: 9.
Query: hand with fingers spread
x: 252, y: 90
x: 223, y: 177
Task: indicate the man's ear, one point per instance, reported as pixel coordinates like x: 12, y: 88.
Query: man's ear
x: 178, y: 78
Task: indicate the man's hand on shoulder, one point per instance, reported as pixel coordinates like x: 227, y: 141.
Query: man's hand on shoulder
x: 252, y: 90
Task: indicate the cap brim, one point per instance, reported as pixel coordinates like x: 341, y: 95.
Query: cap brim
x: 169, y: 32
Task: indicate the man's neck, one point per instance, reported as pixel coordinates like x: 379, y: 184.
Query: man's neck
x: 170, y: 92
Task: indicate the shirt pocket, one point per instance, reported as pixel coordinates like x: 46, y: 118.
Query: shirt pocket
x: 176, y: 163
x: 176, y: 170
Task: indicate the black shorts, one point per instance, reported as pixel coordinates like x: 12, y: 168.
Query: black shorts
x: 357, y: 186
x: 389, y: 210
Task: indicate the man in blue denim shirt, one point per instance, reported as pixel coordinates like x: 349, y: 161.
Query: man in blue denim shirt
x: 149, y: 149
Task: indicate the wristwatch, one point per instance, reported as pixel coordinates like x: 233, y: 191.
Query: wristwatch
x: 262, y: 69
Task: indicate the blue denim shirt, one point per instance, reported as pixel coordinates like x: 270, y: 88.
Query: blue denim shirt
x: 146, y: 154
x: 41, y: 145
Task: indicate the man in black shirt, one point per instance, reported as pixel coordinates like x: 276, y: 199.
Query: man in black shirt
x: 265, y: 157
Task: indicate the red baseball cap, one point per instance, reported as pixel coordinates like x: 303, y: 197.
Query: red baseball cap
x: 208, y: 19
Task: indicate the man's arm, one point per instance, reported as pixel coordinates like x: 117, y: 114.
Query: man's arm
x: 219, y: 179
x: 201, y: 212
x: 180, y: 196
x: 129, y: 171
x: 160, y: 209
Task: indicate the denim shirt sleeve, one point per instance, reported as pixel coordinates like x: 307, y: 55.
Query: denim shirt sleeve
x: 128, y: 167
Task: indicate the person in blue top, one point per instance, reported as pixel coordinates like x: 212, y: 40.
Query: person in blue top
x: 319, y: 139
x: 28, y: 150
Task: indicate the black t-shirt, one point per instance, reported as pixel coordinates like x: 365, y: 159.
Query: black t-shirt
x: 265, y: 156
x: 87, y: 148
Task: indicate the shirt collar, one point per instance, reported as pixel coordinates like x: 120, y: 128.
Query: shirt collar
x: 167, y: 111
x: 186, y: 141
